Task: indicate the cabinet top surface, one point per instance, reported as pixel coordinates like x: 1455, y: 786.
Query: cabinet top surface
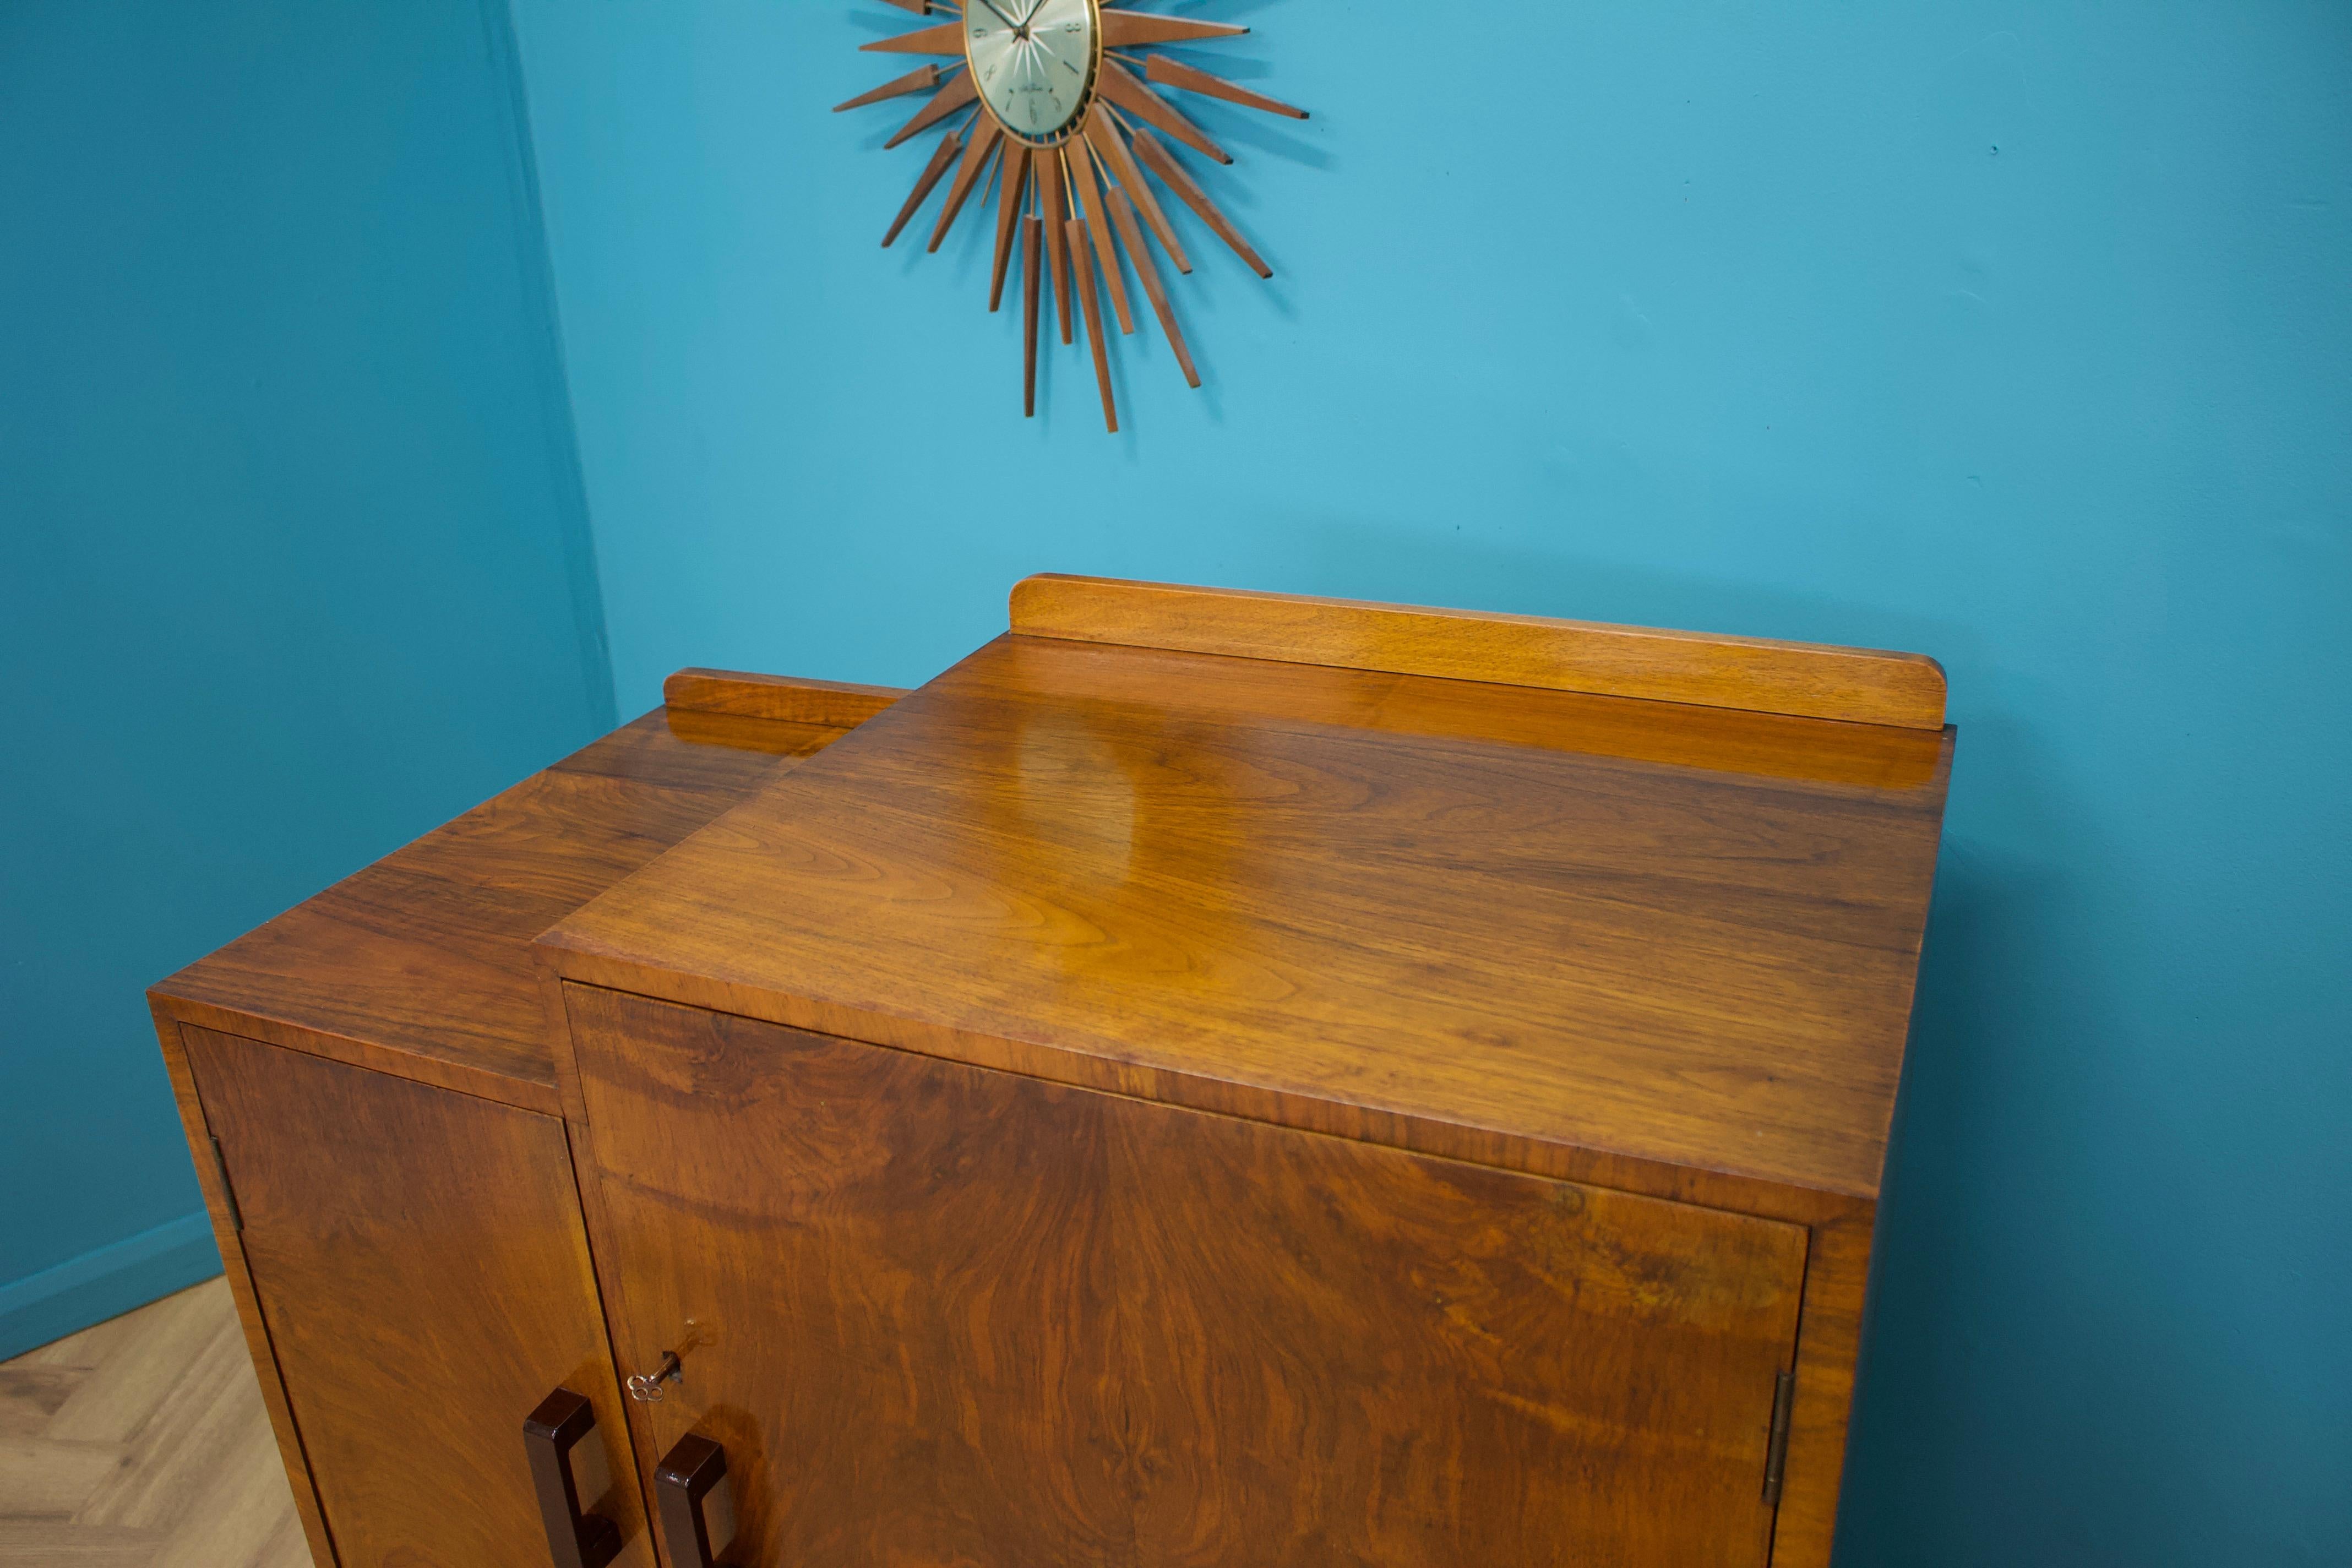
x: 1651, y: 931
x: 421, y: 962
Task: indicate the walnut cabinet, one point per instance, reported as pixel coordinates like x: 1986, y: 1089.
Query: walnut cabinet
x: 1212, y: 1077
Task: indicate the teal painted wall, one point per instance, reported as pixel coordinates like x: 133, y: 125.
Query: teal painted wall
x: 293, y: 551
x: 2017, y: 335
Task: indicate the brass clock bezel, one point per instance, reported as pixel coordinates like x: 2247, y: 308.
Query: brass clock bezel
x: 1071, y: 126
x: 1072, y: 205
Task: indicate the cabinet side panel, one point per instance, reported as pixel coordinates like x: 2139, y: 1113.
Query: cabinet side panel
x: 1830, y: 1341
x: 963, y: 1316
x: 419, y: 1261
x: 240, y: 1289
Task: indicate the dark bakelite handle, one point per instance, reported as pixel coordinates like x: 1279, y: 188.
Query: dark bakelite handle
x: 695, y: 1502
x: 554, y: 1434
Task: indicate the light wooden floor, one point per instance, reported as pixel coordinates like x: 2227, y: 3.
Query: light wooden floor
x: 142, y: 1442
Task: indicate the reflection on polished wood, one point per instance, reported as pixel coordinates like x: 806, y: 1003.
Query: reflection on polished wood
x: 1751, y: 673
x: 973, y: 1318
x: 1208, y: 1074
x: 1107, y: 866
x: 369, y: 1205
x: 1362, y: 870
x: 424, y: 1277
x: 421, y: 963
x: 836, y: 704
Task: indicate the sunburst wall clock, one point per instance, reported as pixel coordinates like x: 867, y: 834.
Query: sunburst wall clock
x: 1055, y: 108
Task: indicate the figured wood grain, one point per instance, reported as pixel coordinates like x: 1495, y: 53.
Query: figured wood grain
x: 424, y: 1275
x: 420, y: 964
x: 1424, y: 934
x: 1122, y: 88
x: 835, y: 703
x: 966, y: 1317
x: 1802, y: 679
x: 1171, y: 72
x: 287, y: 1435
x: 777, y: 738
x: 1164, y: 163
x: 1837, y: 1274
x: 1714, y: 740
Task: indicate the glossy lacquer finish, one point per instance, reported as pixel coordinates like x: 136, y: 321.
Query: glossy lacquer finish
x: 1749, y: 675
x: 424, y: 1280
x: 960, y: 1316
x: 419, y: 968
x: 1458, y: 910
x: 1661, y: 947
x: 420, y: 964
x: 1209, y: 1078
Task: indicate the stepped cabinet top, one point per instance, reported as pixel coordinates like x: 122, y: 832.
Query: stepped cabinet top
x: 1497, y: 887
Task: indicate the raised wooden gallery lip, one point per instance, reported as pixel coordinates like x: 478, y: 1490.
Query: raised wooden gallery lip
x: 1417, y: 909
x: 419, y: 964
x: 1804, y: 680
x: 1259, y: 691
x: 794, y: 700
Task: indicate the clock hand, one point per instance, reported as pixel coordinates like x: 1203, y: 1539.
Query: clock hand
x: 1001, y: 15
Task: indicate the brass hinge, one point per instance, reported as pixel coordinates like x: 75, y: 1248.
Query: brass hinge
x: 229, y: 1190
x: 1776, y: 1447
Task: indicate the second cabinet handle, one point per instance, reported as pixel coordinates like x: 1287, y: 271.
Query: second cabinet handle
x: 570, y: 1472
x: 695, y: 1502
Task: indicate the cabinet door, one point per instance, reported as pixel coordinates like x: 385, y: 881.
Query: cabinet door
x: 962, y: 1317
x: 424, y: 1276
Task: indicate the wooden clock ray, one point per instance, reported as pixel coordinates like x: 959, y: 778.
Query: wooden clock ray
x: 1056, y: 105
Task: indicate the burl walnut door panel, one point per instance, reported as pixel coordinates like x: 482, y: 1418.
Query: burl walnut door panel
x: 423, y: 1274
x: 964, y: 1319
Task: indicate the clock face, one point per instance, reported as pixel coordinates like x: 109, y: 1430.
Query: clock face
x: 1033, y: 62
x: 1059, y: 171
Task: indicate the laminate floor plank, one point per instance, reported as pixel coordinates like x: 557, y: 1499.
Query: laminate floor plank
x: 25, y: 1545
x: 143, y: 1443
x: 137, y: 1374
x: 29, y: 1396
x: 50, y: 1481
x: 192, y: 1443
